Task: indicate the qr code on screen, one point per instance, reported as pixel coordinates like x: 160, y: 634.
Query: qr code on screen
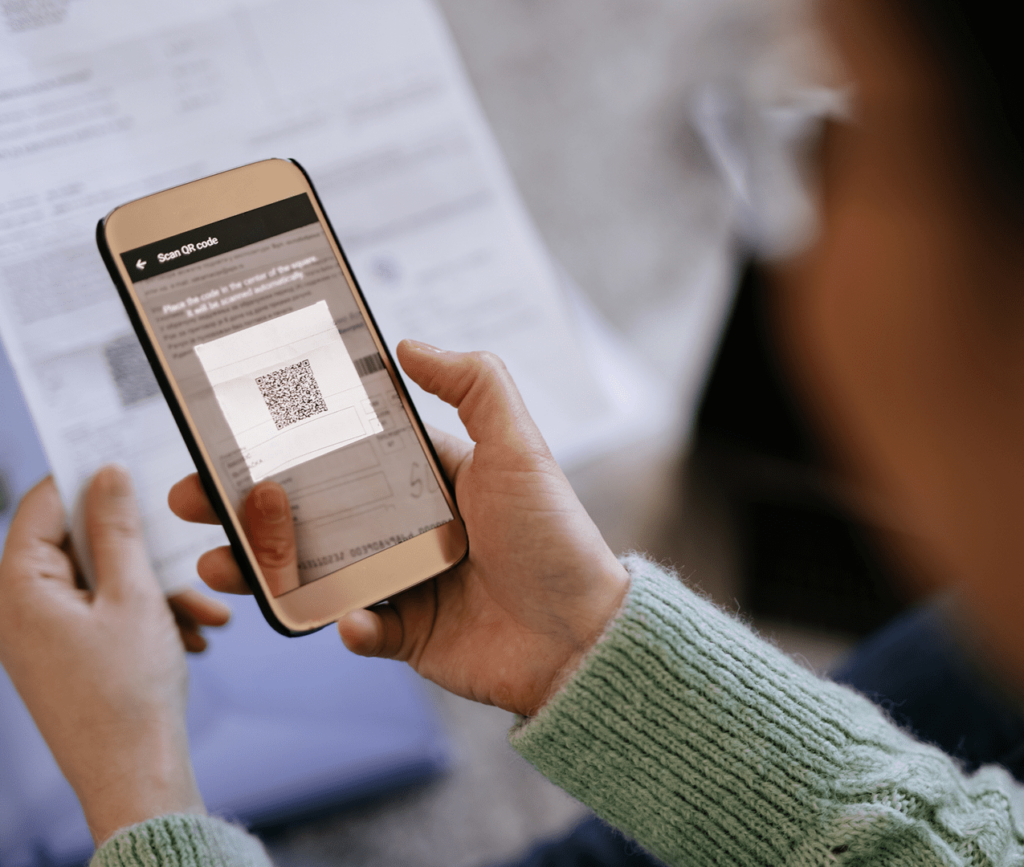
x: 292, y: 394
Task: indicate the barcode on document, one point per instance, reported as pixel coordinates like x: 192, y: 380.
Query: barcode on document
x: 369, y: 364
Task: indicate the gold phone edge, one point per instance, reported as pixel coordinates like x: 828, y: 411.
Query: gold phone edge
x: 221, y: 196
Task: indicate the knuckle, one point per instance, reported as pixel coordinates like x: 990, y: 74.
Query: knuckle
x: 487, y: 376
x: 117, y: 519
x: 119, y: 525
x: 274, y: 552
x: 490, y: 363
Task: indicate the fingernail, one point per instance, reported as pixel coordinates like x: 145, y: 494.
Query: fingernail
x: 114, y: 481
x: 272, y: 504
x: 420, y: 346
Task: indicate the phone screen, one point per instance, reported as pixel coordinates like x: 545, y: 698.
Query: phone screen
x: 282, y: 379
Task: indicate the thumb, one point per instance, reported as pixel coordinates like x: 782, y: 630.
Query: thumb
x: 114, y: 528
x: 480, y: 387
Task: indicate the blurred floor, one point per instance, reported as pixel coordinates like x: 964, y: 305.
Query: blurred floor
x: 588, y: 101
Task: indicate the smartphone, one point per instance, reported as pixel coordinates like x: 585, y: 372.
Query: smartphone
x: 273, y: 368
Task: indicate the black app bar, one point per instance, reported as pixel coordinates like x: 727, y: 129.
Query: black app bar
x: 214, y: 239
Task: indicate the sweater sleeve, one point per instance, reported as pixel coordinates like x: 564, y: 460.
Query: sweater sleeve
x: 709, y: 746
x: 181, y: 840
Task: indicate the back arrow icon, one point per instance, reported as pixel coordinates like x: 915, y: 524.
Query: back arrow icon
x: 141, y: 264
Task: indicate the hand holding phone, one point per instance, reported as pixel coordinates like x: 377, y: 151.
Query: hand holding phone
x: 273, y: 368
x: 539, y: 583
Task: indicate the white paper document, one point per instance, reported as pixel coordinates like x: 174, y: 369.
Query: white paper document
x: 108, y: 101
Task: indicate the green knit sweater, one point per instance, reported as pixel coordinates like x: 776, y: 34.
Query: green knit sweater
x: 709, y: 746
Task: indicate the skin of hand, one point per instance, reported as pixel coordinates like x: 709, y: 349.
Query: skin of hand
x: 538, y: 587
x: 102, y: 671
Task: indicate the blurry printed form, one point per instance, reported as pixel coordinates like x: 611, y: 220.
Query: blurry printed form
x: 102, y: 102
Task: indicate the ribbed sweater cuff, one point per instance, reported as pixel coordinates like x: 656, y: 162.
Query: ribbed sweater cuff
x: 181, y: 840
x: 696, y: 738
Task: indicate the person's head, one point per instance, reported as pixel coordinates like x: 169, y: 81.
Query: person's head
x: 905, y: 322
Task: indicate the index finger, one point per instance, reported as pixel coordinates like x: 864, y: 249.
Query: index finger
x: 40, y: 516
x: 272, y: 536
x: 188, y: 501
x: 36, y: 533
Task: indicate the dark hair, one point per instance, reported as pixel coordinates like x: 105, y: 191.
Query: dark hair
x: 978, y: 42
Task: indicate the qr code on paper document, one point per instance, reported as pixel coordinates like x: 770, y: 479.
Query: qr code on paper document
x: 292, y: 394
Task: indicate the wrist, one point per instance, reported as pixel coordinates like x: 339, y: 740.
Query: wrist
x: 608, y: 593
x: 112, y: 814
x: 141, y: 784
x: 607, y: 598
